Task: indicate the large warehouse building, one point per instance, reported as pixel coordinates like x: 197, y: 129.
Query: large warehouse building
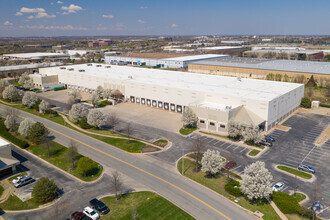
x: 260, y: 68
x: 215, y: 99
x: 174, y: 62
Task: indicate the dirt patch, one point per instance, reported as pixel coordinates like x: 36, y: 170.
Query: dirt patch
x: 148, y: 149
x: 324, y: 136
x: 282, y: 127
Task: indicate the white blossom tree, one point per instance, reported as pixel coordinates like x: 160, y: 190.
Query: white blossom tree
x: 11, y: 93
x: 3, y: 84
x: 107, y: 93
x: 76, y: 95
x: 11, y: 122
x: 25, y: 126
x: 99, y: 91
x: 44, y: 106
x: 189, y: 119
x: 29, y: 99
x: 256, y: 181
x: 252, y: 134
x: 26, y: 81
x: 211, y: 162
x: 96, y: 118
x: 235, y: 129
x: 94, y: 99
x: 77, y: 112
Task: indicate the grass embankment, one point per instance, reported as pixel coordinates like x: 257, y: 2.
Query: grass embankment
x: 14, y: 203
x: 186, y: 130
x: 59, y: 158
x: 161, y: 143
x: 254, y: 153
x: 293, y: 171
x: 218, y: 183
x: 300, y: 197
x: 148, y: 205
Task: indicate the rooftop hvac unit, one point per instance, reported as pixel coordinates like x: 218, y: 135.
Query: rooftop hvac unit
x: 81, y: 70
x: 62, y: 68
x: 239, y: 79
x: 89, y: 64
x: 107, y: 66
x: 130, y: 77
x: 98, y: 65
x: 71, y: 69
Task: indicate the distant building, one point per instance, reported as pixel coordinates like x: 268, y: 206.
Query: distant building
x: 36, y: 57
x: 62, y: 47
x: 8, y: 163
x: 37, y: 46
x: 17, y: 70
x: 99, y: 43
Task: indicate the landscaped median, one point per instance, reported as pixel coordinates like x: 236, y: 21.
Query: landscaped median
x: 253, y: 153
x: 296, y: 172
x: 218, y: 184
x: 143, y: 205
x: 187, y: 130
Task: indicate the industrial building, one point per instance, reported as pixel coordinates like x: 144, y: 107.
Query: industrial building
x: 215, y: 99
x: 8, y: 163
x: 260, y: 68
x: 174, y: 62
x: 36, y: 57
x: 17, y: 70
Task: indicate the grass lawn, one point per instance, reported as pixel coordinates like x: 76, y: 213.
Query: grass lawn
x: 58, y: 157
x: 148, y: 205
x: 131, y: 146
x: 14, y: 203
x: 293, y: 171
x: 300, y: 197
x: 1, y: 190
x: 186, y: 131
x: 254, y: 152
x: 20, y: 174
x: 161, y: 142
x: 217, y: 184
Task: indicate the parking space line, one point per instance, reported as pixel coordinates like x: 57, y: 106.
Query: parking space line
x: 243, y: 149
x: 236, y: 168
x: 228, y: 146
x: 210, y: 140
x: 223, y: 144
x: 236, y: 147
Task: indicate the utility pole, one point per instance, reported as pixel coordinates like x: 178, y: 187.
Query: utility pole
x: 295, y: 186
x: 182, y: 161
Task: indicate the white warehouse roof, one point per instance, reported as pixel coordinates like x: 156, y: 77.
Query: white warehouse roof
x: 33, y: 55
x: 197, y: 57
x: 212, y: 84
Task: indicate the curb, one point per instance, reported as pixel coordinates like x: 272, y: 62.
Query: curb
x: 35, y: 209
x: 261, y: 152
x: 290, y: 174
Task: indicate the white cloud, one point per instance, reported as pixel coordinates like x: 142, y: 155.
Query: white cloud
x: 41, y: 15
x: 7, y: 23
x: 174, y: 25
x: 71, y: 9
x: 19, y: 13
x: 32, y: 10
x: 52, y: 3
x: 108, y: 16
x: 60, y: 2
x: 143, y: 7
x: 50, y: 27
x: 141, y: 21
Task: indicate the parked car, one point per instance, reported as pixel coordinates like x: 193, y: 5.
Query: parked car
x: 230, y: 164
x: 306, y: 168
x: 79, y: 216
x: 278, y: 186
x: 265, y: 143
x: 91, y: 213
x: 270, y: 138
x: 24, y: 181
x: 99, y: 206
x: 17, y: 179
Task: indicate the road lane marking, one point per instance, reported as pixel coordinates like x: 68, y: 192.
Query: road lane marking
x: 131, y: 165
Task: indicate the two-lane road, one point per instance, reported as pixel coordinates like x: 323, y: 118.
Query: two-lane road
x: 194, y: 198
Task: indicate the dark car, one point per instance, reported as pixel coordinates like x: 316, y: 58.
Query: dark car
x: 79, y: 216
x: 99, y: 206
x: 269, y: 138
x: 230, y: 164
x: 265, y: 143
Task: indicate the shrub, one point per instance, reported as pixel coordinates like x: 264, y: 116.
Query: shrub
x: 306, y: 102
x: 286, y: 203
x: 87, y: 167
x: 233, y: 188
x: 36, y: 104
x: 104, y: 103
x: 8, y: 136
x: 44, y: 190
x: 324, y: 105
x: 83, y: 123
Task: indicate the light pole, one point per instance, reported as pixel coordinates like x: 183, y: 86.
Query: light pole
x: 182, y: 161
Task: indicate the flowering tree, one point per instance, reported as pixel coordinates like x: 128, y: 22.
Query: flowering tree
x: 77, y: 112
x: 96, y: 118
x: 252, y: 134
x: 107, y: 93
x: 256, y: 181
x: 76, y: 95
x: 11, y: 93
x: 211, y: 162
x: 25, y: 126
x: 235, y: 129
x: 11, y: 122
x: 3, y: 84
x: 25, y: 81
x: 29, y: 99
x: 94, y: 99
x: 44, y: 106
x: 189, y: 119
x: 99, y: 91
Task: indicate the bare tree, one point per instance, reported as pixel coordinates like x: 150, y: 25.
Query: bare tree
x: 48, y: 144
x: 129, y: 131
x: 197, y: 146
x: 72, y: 155
x: 135, y: 215
x: 116, y: 183
x: 282, y: 56
x: 189, y: 119
x: 113, y: 120
x: 269, y: 55
x: 94, y: 99
x: 76, y: 95
x: 99, y: 91
x: 107, y: 93
x: 117, y: 95
x: 310, y: 91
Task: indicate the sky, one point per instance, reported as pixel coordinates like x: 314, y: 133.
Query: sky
x: 167, y: 17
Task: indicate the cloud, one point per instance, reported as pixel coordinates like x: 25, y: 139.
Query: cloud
x: 41, y: 15
x: 7, y: 23
x: 174, y: 25
x: 141, y: 21
x: 52, y: 3
x: 60, y: 2
x: 18, y: 13
x: 143, y: 7
x: 108, y: 16
x: 71, y: 9
x: 32, y: 10
x: 63, y: 28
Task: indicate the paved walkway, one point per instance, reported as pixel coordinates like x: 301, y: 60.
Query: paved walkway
x: 278, y: 211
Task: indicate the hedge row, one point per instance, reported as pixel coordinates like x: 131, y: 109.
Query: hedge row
x: 5, y: 134
x: 324, y: 105
x: 233, y: 188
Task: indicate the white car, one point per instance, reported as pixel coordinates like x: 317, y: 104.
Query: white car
x: 91, y: 213
x: 278, y: 186
x: 17, y: 179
